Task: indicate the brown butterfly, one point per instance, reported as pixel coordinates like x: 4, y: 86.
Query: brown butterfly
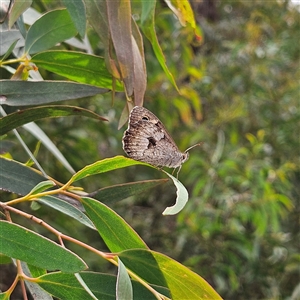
x: 146, y: 139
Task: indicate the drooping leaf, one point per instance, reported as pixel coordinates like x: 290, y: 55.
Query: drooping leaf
x: 148, y: 27
x: 119, y: 24
x: 181, y: 199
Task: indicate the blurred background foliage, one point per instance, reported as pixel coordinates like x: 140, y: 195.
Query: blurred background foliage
x: 240, y: 96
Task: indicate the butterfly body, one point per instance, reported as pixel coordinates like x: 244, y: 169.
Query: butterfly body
x: 147, y: 140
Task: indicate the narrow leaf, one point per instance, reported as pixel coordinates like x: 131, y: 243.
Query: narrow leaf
x: 21, y: 93
x: 124, y: 286
x: 22, y: 117
x: 119, y: 22
x: 148, y: 27
x: 17, y: 9
x: 46, y: 141
x: 67, y: 209
x: 26, y: 245
x: 105, y: 165
x: 76, y: 9
x: 42, y: 186
x: 115, y: 193
x: 115, y: 232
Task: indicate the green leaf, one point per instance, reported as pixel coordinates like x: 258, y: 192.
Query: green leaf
x: 25, y: 116
x: 103, y: 286
x: 20, y: 243
x: 183, y: 11
x: 4, y: 259
x: 76, y: 8
x: 105, y: 165
x: 16, y: 10
x: 42, y: 186
x: 67, y: 209
x: 35, y: 271
x: 77, y: 66
x: 21, y: 93
x: 5, y: 296
x: 159, y: 269
x: 148, y: 27
x: 17, y: 178
x: 115, y: 193
x: 63, y: 286
x: 181, y: 199
x: 52, y: 28
x: 124, y: 286
x: 115, y: 232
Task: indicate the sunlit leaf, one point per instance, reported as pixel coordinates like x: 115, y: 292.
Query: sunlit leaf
x: 159, y: 269
x: 105, y: 165
x: 77, y: 66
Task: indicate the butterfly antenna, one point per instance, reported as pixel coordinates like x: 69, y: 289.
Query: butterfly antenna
x: 188, y: 149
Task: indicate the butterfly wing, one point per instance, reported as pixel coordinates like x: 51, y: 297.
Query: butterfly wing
x: 147, y: 140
